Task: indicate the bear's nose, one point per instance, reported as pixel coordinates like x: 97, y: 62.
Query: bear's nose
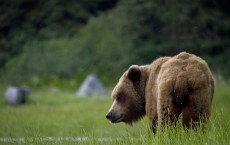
x: 109, y: 115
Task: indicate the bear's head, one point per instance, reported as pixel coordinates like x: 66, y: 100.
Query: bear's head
x: 129, y: 96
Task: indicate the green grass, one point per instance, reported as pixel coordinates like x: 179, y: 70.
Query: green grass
x: 56, y: 117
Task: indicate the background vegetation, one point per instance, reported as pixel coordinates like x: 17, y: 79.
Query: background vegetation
x: 44, y: 42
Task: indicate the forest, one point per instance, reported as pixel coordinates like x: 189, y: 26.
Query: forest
x: 60, y: 42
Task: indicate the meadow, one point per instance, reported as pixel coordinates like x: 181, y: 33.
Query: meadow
x: 53, y: 116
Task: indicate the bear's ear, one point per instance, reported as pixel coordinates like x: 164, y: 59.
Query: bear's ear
x: 134, y: 73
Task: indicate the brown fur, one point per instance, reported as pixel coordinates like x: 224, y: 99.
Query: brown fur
x: 164, y: 90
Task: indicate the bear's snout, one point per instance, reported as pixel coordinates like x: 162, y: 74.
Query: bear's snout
x: 114, y: 117
x: 109, y: 115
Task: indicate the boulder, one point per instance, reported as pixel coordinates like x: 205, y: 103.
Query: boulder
x: 91, y: 87
x: 15, y: 95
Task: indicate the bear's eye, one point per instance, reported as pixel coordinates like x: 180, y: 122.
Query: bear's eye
x: 119, y: 98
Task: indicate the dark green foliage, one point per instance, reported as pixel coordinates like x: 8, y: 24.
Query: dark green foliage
x: 62, y: 40
x: 149, y: 29
x: 23, y: 20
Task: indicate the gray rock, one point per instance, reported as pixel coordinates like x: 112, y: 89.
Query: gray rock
x: 91, y: 87
x: 15, y: 95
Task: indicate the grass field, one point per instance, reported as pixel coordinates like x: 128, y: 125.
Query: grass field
x: 55, y: 117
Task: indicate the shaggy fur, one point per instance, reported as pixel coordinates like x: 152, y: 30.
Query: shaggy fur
x: 164, y: 90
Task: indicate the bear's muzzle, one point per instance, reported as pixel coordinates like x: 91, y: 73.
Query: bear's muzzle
x: 109, y: 116
x: 114, y: 117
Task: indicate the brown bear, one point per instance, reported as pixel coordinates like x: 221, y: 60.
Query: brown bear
x: 164, y: 90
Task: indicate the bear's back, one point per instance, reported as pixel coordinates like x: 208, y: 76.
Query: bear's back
x: 186, y: 69
x: 185, y: 64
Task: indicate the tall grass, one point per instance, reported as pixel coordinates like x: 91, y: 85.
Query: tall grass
x: 52, y: 116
